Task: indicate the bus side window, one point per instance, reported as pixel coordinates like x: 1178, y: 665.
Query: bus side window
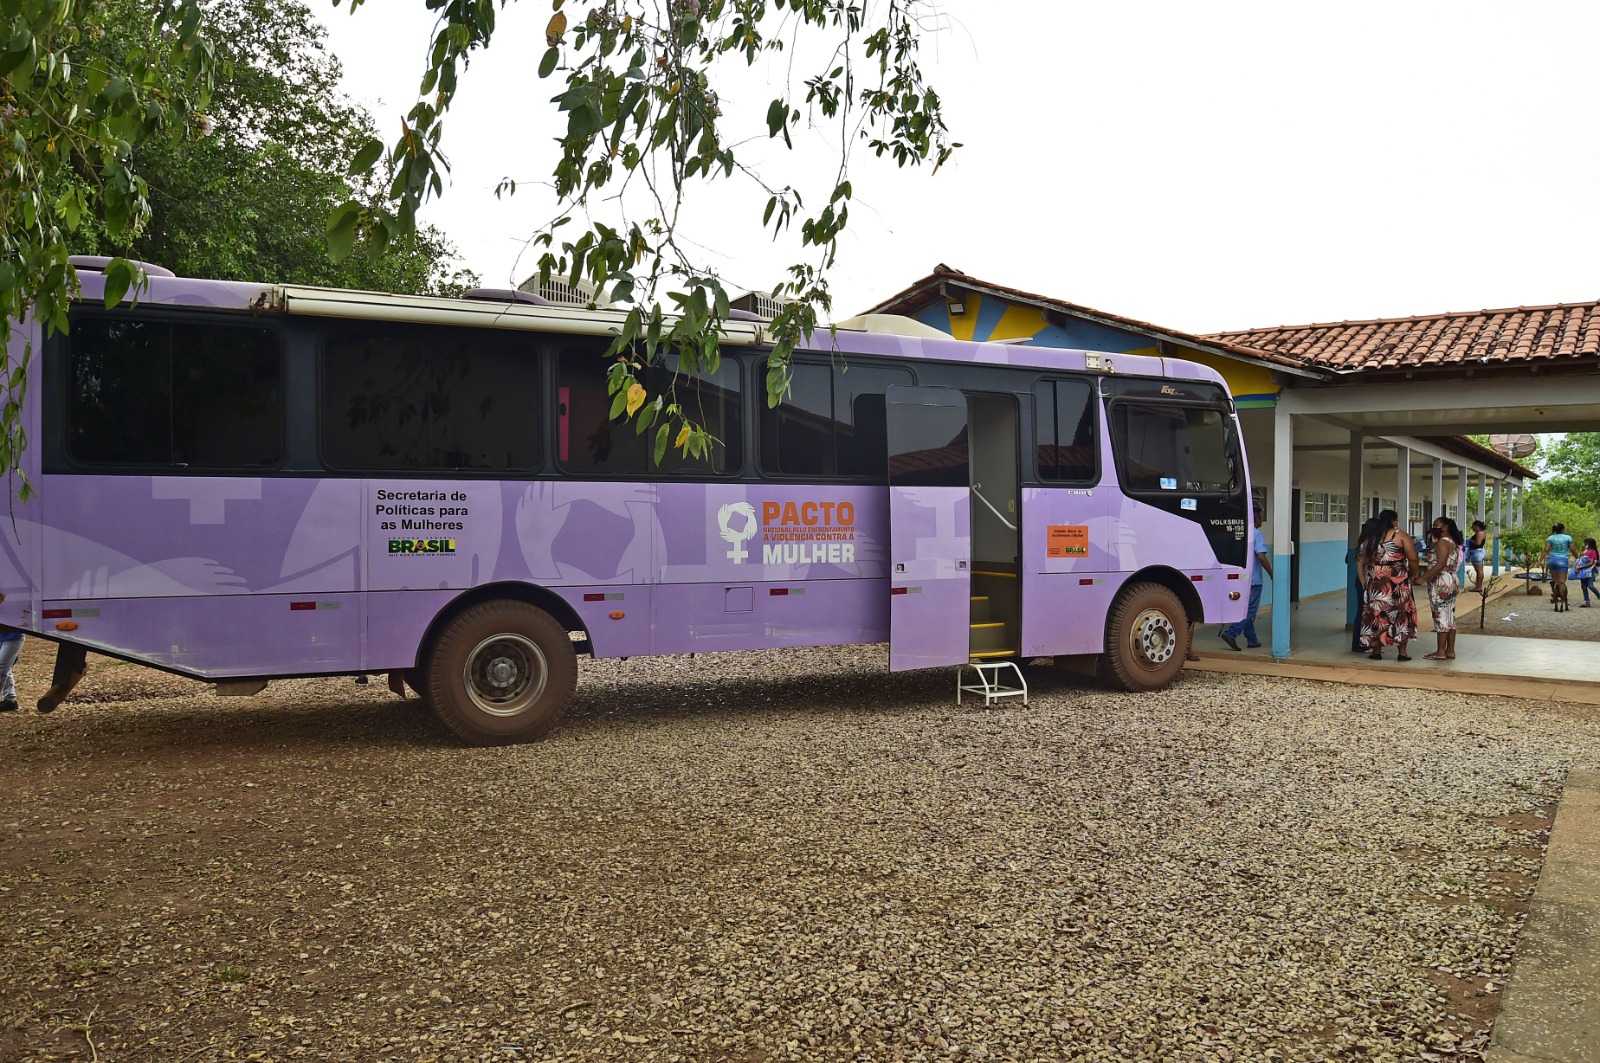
x: 174, y: 395
x: 423, y: 399
x: 1063, y: 415
x: 861, y: 419
x: 833, y: 422
x: 1170, y: 447
x: 589, y: 441
x: 797, y: 434
x: 715, y: 401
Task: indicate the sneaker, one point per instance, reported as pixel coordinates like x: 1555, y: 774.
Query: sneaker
x: 1232, y: 645
x: 8, y: 705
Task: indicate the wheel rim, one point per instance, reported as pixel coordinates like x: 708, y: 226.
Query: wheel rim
x: 505, y: 674
x: 1155, y: 638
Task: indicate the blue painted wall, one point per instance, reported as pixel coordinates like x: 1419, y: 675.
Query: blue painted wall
x: 1322, y: 567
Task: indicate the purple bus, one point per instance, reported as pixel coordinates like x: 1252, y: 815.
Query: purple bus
x: 241, y: 482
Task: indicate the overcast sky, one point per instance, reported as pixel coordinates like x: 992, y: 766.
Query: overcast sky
x: 1203, y: 166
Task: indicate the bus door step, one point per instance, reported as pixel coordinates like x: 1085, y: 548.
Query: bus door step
x: 990, y: 679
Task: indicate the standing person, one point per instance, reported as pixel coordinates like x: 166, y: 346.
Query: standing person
x: 1476, y: 552
x: 1263, y: 563
x: 1443, y: 587
x: 1390, y: 618
x: 1370, y: 532
x: 10, y: 646
x: 1586, y: 568
x: 1557, y: 558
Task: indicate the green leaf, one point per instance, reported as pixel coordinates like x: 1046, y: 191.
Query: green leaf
x: 342, y: 231
x: 366, y: 157
x: 119, y: 277
x: 662, y: 437
x: 547, y: 64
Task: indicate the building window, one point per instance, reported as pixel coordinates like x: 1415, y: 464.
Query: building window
x: 1385, y: 503
x: 1315, y: 507
x: 1338, y: 508
x: 1416, y: 513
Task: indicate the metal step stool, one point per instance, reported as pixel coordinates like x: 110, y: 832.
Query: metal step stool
x: 990, y: 681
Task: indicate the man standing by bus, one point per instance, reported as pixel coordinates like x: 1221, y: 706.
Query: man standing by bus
x: 10, y: 646
x: 1247, y: 626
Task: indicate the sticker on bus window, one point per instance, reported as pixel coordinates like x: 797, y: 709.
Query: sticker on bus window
x: 1189, y: 503
x: 1169, y: 483
x: 1067, y: 540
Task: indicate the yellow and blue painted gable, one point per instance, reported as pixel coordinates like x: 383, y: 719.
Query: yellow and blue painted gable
x: 994, y: 319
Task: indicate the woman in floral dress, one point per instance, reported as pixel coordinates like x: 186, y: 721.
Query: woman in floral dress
x: 1390, y: 616
x: 1443, y: 587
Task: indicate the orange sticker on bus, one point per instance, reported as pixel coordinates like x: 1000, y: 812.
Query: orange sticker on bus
x: 1067, y: 540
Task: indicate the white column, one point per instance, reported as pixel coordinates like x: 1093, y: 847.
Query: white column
x: 1461, y: 517
x: 1521, y: 502
x: 1438, y: 486
x: 1402, y: 492
x: 1494, y: 538
x: 1483, y: 496
x: 1282, y: 495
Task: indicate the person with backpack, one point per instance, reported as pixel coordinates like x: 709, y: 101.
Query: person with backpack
x: 1585, y: 568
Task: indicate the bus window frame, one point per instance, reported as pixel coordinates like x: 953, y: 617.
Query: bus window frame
x: 835, y: 364
x: 1032, y: 394
x: 1119, y: 452
x: 56, y: 377
x: 653, y: 473
x: 333, y: 328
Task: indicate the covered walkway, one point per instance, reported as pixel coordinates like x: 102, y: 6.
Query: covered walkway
x: 1555, y: 669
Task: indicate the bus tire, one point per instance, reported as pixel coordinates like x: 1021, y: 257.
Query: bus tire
x: 501, y: 672
x: 1147, y: 637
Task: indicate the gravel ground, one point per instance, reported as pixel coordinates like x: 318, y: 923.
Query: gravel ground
x: 1530, y: 615
x: 771, y: 856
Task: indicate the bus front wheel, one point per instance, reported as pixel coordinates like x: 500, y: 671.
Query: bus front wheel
x: 501, y: 672
x: 1147, y: 636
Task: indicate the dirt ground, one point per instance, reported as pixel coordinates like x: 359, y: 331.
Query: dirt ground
x: 769, y: 856
x: 1530, y: 616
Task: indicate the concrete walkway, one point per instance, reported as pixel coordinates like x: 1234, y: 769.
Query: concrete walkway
x: 1551, y: 1010
x: 1553, y: 669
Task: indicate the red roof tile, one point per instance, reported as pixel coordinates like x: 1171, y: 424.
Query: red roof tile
x: 1562, y: 333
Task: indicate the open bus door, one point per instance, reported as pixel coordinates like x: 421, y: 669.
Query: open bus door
x: 930, y: 528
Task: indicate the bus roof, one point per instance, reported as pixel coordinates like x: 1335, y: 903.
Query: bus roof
x: 902, y: 338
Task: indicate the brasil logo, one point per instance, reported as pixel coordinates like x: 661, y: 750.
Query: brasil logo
x: 422, y: 546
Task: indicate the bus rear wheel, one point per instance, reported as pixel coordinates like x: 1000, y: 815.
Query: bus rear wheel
x: 501, y: 672
x: 1147, y: 636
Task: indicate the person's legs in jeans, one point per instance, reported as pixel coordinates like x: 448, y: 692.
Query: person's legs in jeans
x: 8, y: 657
x: 1248, y: 624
